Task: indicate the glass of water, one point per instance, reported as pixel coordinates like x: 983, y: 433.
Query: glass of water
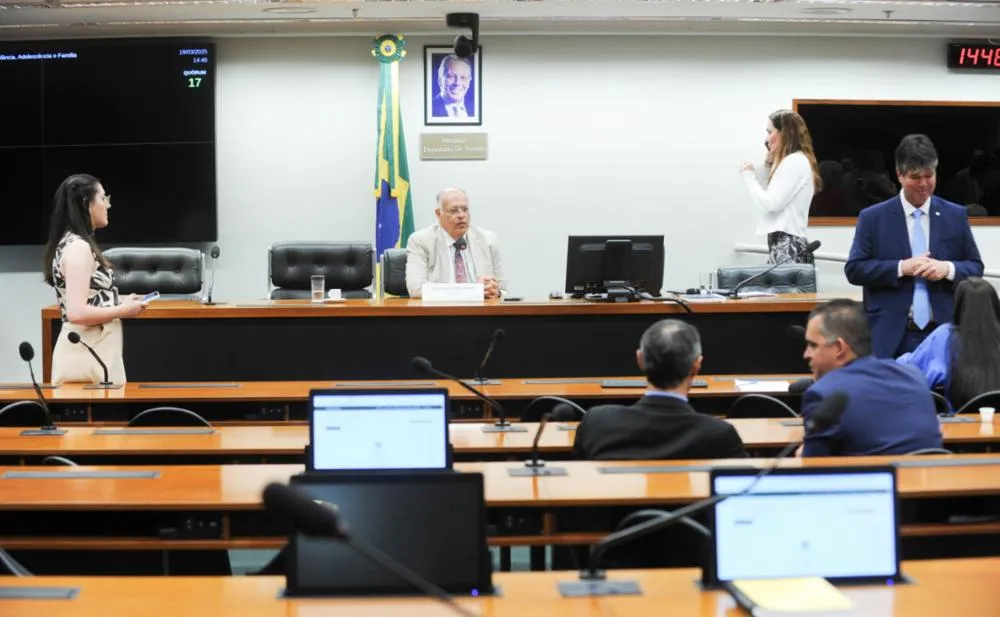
x: 318, y: 287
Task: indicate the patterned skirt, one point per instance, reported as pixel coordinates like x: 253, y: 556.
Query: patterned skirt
x: 784, y: 247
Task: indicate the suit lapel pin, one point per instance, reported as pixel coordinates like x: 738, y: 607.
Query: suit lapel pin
x: 937, y: 213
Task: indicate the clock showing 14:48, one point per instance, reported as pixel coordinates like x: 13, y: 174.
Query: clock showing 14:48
x: 983, y: 56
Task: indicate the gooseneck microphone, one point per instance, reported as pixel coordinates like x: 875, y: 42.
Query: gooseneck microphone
x: 313, y: 519
x: 214, y: 254
x: 74, y: 338
x: 498, y: 336
x: 593, y: 579
x: 535, y: 466
x: 502, y: 425
x: 735, y: 292
x: 49, y: 427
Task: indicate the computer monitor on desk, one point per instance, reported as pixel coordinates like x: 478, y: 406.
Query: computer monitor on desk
x: 616, y: 268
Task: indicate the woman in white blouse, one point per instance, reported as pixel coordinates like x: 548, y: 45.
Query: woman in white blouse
x: 784, y: 187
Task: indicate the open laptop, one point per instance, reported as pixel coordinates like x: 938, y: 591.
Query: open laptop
x: 368, y: 430
x: 839, y: 523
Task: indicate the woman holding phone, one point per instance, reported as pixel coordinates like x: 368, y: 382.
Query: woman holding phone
x: 84, y: 284
x: 783, y: 189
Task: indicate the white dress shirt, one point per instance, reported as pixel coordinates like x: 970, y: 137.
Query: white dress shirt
x: 925, y: 224
x: 784, y: 203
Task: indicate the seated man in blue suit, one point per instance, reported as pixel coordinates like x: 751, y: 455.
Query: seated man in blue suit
x: 890, y: 409
x: 909, y: 253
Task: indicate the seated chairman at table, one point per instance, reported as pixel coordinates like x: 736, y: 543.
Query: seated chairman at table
x: 453, y: 250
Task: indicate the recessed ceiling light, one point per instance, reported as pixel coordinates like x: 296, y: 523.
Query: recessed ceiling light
x: 826, y: 10
x: 290, y: 10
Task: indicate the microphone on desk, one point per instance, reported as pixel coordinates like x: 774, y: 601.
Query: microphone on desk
x: 312, y: 518
x: 214, y: 253
x: 535, y: 466
x: 593, y: 580
x: 498, y: 337
x: 74, y: 338
x: 502, y: 425
x: 735, y: 291
x: 49, y: 427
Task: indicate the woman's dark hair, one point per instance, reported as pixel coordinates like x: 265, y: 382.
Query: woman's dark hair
x: 975, y: 341
x: 71, y: 212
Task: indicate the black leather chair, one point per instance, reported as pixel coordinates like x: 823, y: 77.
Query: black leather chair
x: 986, y: 399
x: 394, y: 272
x: 168, y: 416
x: 756, y: 405
x: 346, y: 266
x: 170, y: 271
x: 23, y: 413
x: 941, y: 404
x: 787, y: 278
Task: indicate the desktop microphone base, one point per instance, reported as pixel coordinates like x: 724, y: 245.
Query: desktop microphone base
x: 596, y: 587
x: 505, y: 428
x: 43, y: 432
x: 534, y: 470
x: 483, y: 382
x: 103, y: 386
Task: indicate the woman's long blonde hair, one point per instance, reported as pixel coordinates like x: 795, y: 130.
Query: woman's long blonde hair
x: 794, y: 138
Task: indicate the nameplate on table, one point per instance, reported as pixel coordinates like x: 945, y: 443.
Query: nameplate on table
x: 38, y: 593
x: 791, y: 422
x: 381, y: 384
x: 920, y: 461
x: 155, y: 431
x: 959, y: 419
x: 623, y: 383
x: 561, y: 381
x: 189, y: 385
x: 81, y: 475
x: 452, y: 292
x: 26, y: 386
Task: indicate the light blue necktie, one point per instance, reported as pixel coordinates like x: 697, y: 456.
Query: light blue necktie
x: 921, y: 298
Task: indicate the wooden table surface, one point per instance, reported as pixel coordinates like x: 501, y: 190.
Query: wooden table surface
x: 507, y: 389
x: 959, y: 587
x: 466, y: 438
x: 238, y: 487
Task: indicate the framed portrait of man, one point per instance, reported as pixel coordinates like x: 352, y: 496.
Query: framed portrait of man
x: 453, y: 87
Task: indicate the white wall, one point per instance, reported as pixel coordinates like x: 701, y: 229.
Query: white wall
x: 586, y: 135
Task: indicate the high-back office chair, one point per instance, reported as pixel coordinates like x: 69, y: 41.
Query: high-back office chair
x: 986, y: 399
x: 756, y: 405
x: 393, y: 264
x: 534, y: 411
x: 168, y: 416
x: 941, y: 404
x: 347, y: 266
x: 786, y: 278
x: 23, y: 413
x: 171, y: 271
x: 681, y: 545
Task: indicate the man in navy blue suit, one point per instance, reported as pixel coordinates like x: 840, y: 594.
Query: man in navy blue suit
x: 889, y: 409
x: 909, y: 253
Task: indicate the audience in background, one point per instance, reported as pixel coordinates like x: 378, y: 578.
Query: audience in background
x: 890, y: 408
x: 963, y: 358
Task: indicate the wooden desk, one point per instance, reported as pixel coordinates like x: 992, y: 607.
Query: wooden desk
x: 371, y: 339
x: 286, y: 442
x: 278, y: 401
x: 48, y: 514
x: 960, y: 587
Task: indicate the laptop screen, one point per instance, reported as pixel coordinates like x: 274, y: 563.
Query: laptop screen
x: 838, y: 523
x: 378, y: 429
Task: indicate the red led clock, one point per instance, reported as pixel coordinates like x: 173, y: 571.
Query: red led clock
x: 982, y: 56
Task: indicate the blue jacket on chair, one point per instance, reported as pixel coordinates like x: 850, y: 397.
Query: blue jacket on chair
x: 889, y: 411
x: 881, y: 240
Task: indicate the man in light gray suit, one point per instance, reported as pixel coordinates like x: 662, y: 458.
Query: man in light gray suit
x: 453, y: 251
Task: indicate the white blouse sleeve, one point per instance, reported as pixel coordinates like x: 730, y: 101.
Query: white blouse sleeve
x: 792, y: 173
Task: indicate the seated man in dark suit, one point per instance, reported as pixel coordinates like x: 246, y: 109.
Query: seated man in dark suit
x: 661, y: 425
x: 890, y: 408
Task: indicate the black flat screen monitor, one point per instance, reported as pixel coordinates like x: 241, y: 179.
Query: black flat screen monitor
x: 593, y: 261
x: 431, y: 522
x: 137, y: 114
x: 839, y: 523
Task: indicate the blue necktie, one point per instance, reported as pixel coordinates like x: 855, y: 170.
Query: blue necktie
x: 921, y: 299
